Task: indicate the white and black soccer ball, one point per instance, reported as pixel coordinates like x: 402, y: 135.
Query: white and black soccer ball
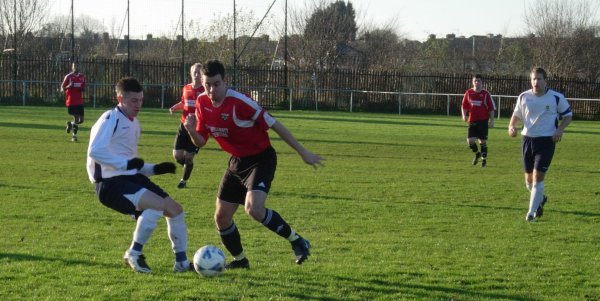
x: 209, y: 261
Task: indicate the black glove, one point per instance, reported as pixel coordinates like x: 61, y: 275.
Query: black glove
x: 135, y: 163
x: 165, y: 167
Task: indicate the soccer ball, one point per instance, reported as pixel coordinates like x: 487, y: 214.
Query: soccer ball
x: 209, y: 261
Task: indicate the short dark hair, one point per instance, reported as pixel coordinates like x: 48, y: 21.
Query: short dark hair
x: 479, y: 76
x: 128, y: 84
x: 540, y: 70
x: 212, y: 68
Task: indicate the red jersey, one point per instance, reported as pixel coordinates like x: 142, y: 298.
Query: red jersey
x: 239, y: 124
x: 189, y: 95
x: 479, y: 104
x: 75, y: 92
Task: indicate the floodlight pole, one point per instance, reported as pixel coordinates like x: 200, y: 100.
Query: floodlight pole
x: 234, y: 47
x: 182, y: 47
x: 128, y: 44
x: 72, y: 33
x: 285, y: 52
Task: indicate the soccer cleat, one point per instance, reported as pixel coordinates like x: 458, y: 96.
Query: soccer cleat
x: 540, y: 210
x: 477, y: 156
x: 69, y: 126
x: 483, y: 162
x: 74, y: 139
x: 301, y: 249
x: 529, y: 218
x: 182, y: 184
x: 137, y: 262
x: 238, y: 264
x: 182, y: 266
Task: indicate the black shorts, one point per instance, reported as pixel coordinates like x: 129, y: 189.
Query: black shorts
x: 478, y: 129
x: 537, y: 153
x: 75, y: 110
x: 112, y: 191
x: 246, y: 174
x: 184, y: 142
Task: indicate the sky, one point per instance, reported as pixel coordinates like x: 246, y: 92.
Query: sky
x: 411, y: 19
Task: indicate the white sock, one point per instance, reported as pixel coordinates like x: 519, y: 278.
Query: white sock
x: 146, y: 224
x: 177, y: 231
x: 535, y: 198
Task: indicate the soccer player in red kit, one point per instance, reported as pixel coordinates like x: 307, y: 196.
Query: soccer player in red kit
x: 240, y: 125
x: 478, y: 110
x: 73, y: 85
x: 184, y: 149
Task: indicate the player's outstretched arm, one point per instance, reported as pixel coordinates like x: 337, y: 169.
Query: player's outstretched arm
x: 308, y: 157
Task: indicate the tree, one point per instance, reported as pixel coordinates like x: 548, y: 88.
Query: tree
x: 19, y: 17
x: 381, y: 47
x: 560, y: 34
x: 327, y: 30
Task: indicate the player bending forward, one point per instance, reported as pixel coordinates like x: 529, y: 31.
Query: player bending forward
x: 239, y: 125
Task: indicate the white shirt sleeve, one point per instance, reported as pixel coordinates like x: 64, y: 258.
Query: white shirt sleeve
x: 99, y: 148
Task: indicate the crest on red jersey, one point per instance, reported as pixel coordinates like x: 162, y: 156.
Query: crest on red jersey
x: 224, y: 116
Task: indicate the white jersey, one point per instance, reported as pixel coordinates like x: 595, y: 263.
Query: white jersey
x: 540, y: 113
x: 113, y: 141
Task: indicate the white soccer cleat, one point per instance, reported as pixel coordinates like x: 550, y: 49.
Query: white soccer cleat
x: 182, y: 266
x: 137, y: 262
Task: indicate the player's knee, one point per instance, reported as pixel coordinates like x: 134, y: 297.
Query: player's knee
x: 222, y: 220
x: 255, y: 212
x: 172, y: 208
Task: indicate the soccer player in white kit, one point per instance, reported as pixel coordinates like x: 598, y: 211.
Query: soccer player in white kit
x: 539, y: 109
x: 122, y: 182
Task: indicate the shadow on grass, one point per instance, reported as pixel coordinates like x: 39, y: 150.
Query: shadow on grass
x: 35, y: 258
x: 423, y: 291
x: 524, y: 208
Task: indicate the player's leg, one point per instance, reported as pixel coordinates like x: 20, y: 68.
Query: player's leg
x: 482, y: 136
x: 188, y: 166
x: 154, y: 198
x: 69, y: 122
x: 255, y: 207
x: 471, y: 141
x: 543, y: 158
x: 229, y: 233
x: 484, y: 151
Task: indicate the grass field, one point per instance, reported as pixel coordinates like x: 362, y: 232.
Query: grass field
x: 398, y: 213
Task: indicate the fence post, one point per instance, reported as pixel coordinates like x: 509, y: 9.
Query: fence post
x: 399, y: 103
x: 448, y: 105
x: 291, y: 91
x: 351, y: 101
x: 162, y: 96
x: 94, y: 95
x: 498, y: 107
x: 24, y: 91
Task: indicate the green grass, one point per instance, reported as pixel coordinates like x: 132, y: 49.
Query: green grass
x: 398, y: 213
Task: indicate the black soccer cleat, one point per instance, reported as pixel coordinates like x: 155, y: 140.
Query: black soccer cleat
x: 238, y: 264
x: 182, y: 184
x: 483, y: 162
x: 301, y: 249
x: 69, y: 126
x: 540, y: 210
x: 476, y: 159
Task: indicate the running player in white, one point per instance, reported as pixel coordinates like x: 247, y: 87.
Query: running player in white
x: 540, y: 109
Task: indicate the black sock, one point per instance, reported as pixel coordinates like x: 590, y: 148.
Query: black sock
x: 275, y: 223
x: 484, y: 150
x: 181, y: 161
x: 230, y: 238
x: 473, y: 147
x: 75, y: 128
x: 187, y: 171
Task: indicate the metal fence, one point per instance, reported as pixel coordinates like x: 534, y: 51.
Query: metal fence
x: 47, y: 93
